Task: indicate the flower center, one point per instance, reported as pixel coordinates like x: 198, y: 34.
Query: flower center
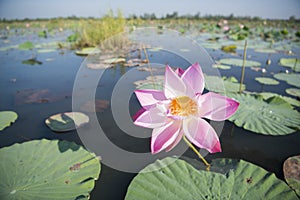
x: 183, y: 106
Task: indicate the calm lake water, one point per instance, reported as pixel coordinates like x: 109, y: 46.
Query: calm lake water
x: 53, y: 80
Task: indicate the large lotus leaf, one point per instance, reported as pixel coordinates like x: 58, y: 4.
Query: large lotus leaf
x: 293, y: 91
x: 292, y: 79
x: 291, y: 169
x: 273, y: 116
x: 180, y: 180
x: 239, y: 62
x: 67, y: 121
x: 7, y: 118
x: 212, y: 83
x: 45, y: 170
x: 290, y: 100
x: 266, y: 80
x: 293, y: 63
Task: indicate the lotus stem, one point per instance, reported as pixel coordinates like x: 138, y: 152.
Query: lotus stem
x: 243, y: 67
x: 197, y: 152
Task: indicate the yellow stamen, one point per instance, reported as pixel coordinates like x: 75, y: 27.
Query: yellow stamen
x: 183, y: 106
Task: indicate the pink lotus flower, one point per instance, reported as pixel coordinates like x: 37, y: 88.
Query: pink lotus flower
x: 179, y: 109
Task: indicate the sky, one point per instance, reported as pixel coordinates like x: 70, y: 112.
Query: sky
x: 266, y: 9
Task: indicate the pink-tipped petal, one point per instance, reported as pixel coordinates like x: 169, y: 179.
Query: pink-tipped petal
x: 179, y: 71
x: 174, y: 86
x: 194, y: 80
x: 200, y: 133
x: 216, y: 107
x: 149, y: 97
x: 164, y: 136
x: 152, y: 118
x: 138, y: 113
x: 177, y: 140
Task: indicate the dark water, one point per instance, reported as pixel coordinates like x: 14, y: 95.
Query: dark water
x: 56, y: 75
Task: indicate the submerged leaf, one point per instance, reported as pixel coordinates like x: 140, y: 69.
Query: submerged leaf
x: 273, y: 116
x: 41, y: 169
x: 7, y: 118
x: 171, y: 179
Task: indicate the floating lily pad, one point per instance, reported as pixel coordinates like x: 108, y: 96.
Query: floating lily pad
x: 151, y: 82
x: 180, y: 180
x: 7, y: 118
x: 87, y: 51
x: 212, y: 83
x: 266, y: 81
x: 98, y: 66
x: 290, y: 100
x: 67, y: 121
x: 221, y: 66
x: 229, y: 48
x: 265, y: 50
x: 292, y: 79
x: 239, y: 62
x: 293, y: 63
x: 46, y: 50
x: 273, y: 116
x: 291, y: 169
x: 293, y: 91
x: 47, y: 170
x: 26, y: 46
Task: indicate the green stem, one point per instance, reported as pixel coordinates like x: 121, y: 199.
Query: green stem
x: 197, y: 152
x: 243, y: 67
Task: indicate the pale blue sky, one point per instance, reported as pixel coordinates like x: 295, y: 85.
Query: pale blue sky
x: 278, y: 9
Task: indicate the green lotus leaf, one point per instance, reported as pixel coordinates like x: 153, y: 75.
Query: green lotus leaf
x: 290, y: 100
x: 151, y: 82
x: 221, y: 66
x: 273, y: 116
x: 292, y: 79
x: 291, y: 168
x: 180, y: 180
x: 67, y: 121
x: 7, y: 118
x: 293, y: 63
x: 293, y: 91
x: 26, y: 46
x: 87, y: 51
x: 47, y: 170
x: 221, y: 85
x: 266, y: 81
x: 265, y: 50
x: 239, y: 62
x: 46, y: 50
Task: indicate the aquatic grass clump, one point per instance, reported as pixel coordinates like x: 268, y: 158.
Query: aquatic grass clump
x: 95, y: 32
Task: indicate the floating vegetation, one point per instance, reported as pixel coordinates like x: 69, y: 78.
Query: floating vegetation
x: 67, y: 121
x: 7, y: 118
x: 229, y: 48
x: 87, y: 51
x: 291, y: 79
x: 47, y: 169
x: 32, y: 61
x: 151, y: 82
x: 98, y: 105
x: 36, y: 96
x: 239, y: 62
x: 266, y: 81
x: 26, y: 46
x: 293, y: 91
x: 293, y: 63
x: 291, y: 168
x: 273, y: 116
x: 219, y: 66
x: 173, y: 178
x: 292, y: 101
x: 222, y: 85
